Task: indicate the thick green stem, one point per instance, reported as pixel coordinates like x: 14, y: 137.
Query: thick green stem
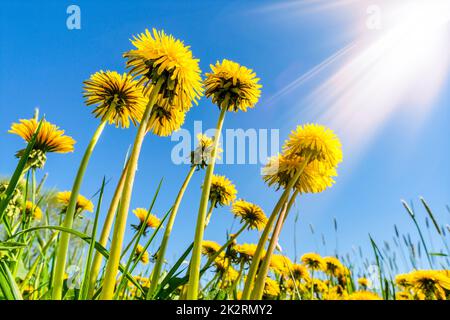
x: 106, y: 230
x: 165, y: 240
x: 63, y: 247
x: 260, y: 249
x: 291, y: 203
x: 194, y: 271
x: 112, y: 266
x: 264, y: 269
x: 265, y: 235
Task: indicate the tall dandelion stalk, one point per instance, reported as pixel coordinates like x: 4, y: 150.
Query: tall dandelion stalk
x: 232, y: 87
x: 200, y: 158
x: 307, y: 164
x: 171, y: 78
x: 118, y: 99
x: 106, y: 230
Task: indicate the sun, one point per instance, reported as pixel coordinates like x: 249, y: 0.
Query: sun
x: 401, y: 66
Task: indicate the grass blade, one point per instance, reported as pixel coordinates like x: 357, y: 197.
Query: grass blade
x: 8, y: 284
x: 85, y: 283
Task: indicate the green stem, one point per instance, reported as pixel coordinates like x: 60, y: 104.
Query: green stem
x: 233, y: 289
x: 106, y: 230
x: 112, y: 266
x: 26, y: 220
x: 33, y: 267
x: 194, y: 270
x: 423, y: 242
x: 264, y: 269
x: 209, y: 214
x: 213, y: 280
x: 265, y: 235
x: 165, y: 240
x: 291, y: 203
x: 224, y: 247
x: 63, y: 247
x: 128, y: 246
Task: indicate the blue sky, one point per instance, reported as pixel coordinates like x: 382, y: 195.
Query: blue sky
x: 43, y: 64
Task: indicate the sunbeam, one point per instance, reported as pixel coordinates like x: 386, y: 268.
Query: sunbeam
x: 402, y: 65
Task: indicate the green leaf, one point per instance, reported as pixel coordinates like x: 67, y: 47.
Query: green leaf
x: 167, y: 278
x: 8, y: 284
x: 102, y: 250
x: 85, y: 284
x: 10, y: 245
x: 438, y: 254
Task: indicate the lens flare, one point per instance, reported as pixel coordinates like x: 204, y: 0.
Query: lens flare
x: 401, y: 66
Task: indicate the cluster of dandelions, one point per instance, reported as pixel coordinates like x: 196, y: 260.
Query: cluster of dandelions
x: 163, y: 83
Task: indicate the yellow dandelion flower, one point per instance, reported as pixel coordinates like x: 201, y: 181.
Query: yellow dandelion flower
x: 299, y: 272
x: 140, y: 250
x: 49, y: 138
x: 403, y: 280
x: 158, y: 56
x: 221, y: 263
x: 249, y: 213
x: 83, y: 204
x: 334, y: 293
x: 210, y: 248
x: 144, y: 282
x: 363, y: 295
x: 202, y: 154
x: 313, y: 261
x: 343, y: 276
x: 291, y: 286
x: 332, y: 266
x: 430, y: 282
x: 152, y: 221
x: 232, y: 86
x: 28, y: 290
x: 364, y: 283
x: 163, y: 122
x: 316, y: 142
x: 109, y: 89
x: 246, y: 251
x: 445, y: 272
x: 223, y: 192
x: 271, y: 288
x: 403, y: 295
x: 230, y: 276
x: 33, y: 210
x: 315, y: 177
x: 280, y: 264
x: 319, y: 286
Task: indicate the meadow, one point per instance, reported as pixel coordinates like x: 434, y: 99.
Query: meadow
x: 45, y: 232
